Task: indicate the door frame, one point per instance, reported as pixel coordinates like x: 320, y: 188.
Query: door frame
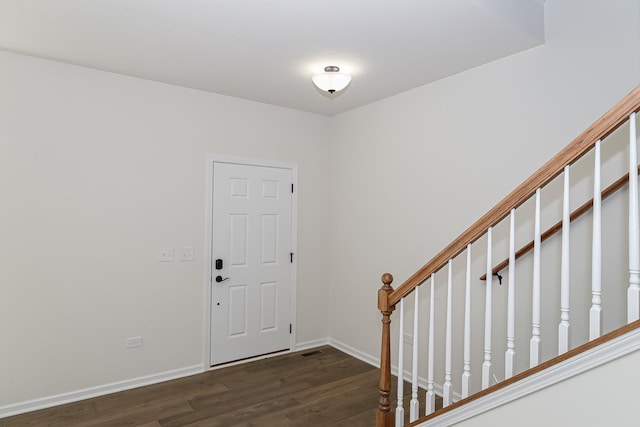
x: 208, y: 246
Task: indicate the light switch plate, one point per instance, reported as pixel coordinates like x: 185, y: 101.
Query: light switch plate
x: 186, y: 254
x: 165, y: 254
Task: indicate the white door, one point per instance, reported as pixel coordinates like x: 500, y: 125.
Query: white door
x: 251, y: 261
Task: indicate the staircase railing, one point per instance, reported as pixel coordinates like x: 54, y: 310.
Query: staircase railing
x: 577, y: 213
x: 623, y: 113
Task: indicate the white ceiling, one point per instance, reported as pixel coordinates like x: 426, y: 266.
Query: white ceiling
x: 267, y: 50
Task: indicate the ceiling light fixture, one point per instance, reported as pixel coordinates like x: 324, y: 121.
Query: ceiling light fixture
x: 332, y: 80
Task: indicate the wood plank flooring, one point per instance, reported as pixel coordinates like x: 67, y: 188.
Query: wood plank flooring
x: 309, y: 388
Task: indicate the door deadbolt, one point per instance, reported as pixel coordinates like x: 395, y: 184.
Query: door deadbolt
x: 218, y: 264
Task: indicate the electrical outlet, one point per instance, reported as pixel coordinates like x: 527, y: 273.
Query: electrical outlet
x: 165, y: 254
x: 186, y: 254
x: 133, y: 342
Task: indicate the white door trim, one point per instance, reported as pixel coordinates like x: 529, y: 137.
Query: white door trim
x: 208, y: 228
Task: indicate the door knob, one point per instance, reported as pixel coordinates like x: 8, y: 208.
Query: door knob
x: 220, y: 279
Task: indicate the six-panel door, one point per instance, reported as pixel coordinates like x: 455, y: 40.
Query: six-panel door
x: 251, y: 305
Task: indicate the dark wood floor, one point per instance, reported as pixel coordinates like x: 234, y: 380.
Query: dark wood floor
x: 321, y: 387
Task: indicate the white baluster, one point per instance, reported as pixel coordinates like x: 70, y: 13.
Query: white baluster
x: 447, y: 387
x: 414, y: 407
x: 431, y: 395
x: 466, y: 374
x: 400, y: 408
x: 509, y: 357
x: 595, y: 313
x: 563, y: 328
x: 534, y: 345
x: 633, y: 294
x: 486, y: 366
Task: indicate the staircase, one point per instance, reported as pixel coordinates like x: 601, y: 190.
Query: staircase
x: 568, y: 291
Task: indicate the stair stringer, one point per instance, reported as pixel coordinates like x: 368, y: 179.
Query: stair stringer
x: 583, y: 362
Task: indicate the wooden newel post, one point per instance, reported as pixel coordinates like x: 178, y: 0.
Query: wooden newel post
x: 384, y: 416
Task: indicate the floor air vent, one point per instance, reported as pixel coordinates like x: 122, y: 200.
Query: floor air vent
x: 311, y: 353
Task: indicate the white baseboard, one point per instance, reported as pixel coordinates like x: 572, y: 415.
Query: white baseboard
x: 371, y: 360
x: 306, y: 345
x: 375, y: 361
x: 87, y: 393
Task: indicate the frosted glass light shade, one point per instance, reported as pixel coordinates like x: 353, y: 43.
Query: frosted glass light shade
x: 331, y: 81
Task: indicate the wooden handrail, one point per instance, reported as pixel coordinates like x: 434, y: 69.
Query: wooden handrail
x: 584, y: 208
x: 599, y: 130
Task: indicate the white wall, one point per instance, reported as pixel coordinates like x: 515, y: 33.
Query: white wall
x: 97, y: 171
x: 416, y: 169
